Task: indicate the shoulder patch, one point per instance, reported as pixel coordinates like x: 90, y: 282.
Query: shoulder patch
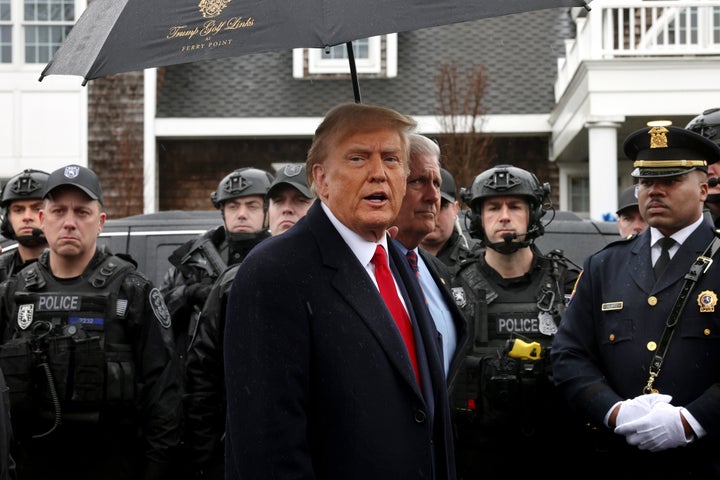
x: 159, y: 308
x: 458, y: 294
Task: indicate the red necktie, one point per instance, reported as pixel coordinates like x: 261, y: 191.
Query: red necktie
x: 413, y: 261
x: 386, y: 285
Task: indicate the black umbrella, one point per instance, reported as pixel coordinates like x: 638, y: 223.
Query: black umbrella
x: 115, y: 36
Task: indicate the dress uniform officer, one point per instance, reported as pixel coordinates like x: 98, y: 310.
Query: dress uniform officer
x: 638, y: 350
x: 88, y: 351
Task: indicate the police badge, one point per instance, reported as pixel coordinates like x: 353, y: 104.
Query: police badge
x: 25, y: 315
x: 547, y: 324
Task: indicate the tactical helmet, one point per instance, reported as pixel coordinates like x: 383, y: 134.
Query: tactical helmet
x: 29, y: 184
x: 707, y: 124
x: 25, y: 185
x: 242, y: 182
x: 507, y: 180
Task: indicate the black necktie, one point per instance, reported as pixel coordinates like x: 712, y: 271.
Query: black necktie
x: 664, y: 258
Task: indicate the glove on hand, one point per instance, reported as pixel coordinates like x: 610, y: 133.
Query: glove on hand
x: 198, y: 292
x: 659, y: 430
x: 639, y: 406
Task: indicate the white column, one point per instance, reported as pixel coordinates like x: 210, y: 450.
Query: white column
x: 602, y: 168
x: 150, y: 181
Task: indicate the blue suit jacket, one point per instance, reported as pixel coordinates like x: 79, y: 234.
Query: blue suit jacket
x: 319, y: 383
x: 601, y: 354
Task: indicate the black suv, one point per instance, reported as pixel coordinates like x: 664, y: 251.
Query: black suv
x: 151, y: 238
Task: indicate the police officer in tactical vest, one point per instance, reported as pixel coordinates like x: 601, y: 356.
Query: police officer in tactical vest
x: 22, y: 198
x: 707, y: 124
x: 87, y: 351
x: 288, y: 197
x: 240, y: 197
x: 511, y: 413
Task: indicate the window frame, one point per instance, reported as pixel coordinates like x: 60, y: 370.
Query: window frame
x: 19, y: 26
x: 381, y: 61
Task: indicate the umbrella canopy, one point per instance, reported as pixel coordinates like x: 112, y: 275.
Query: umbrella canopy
x: 115, y: 36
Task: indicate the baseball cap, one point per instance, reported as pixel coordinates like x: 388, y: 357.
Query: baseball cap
x: 293, y: 174
x: 448, y: 188
x: 75, y: 176
x: 662, y: 150
x: 628, y: 198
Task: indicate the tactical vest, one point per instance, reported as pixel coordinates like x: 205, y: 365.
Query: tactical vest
x: 69, y: 351
x: 498, y: 389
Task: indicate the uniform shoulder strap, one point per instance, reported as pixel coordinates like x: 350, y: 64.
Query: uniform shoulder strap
x: 110, y: 268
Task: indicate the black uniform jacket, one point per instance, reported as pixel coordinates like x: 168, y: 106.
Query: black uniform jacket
x: 602, y: 351
x: 319, y: 383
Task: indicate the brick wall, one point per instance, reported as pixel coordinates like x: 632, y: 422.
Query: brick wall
x: 115, y: 140
x: 191, y: 169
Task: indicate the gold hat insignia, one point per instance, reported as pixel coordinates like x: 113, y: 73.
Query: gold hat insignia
x: 658, y: 133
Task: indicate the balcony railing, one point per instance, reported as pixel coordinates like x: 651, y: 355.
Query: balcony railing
x: 637, y: 28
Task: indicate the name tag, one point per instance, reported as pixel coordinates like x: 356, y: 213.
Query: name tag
x: 56, y: 303
x: 87, y: 320
x: 606, y: 307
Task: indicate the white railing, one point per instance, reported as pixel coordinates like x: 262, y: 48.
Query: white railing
x: 636, y: 28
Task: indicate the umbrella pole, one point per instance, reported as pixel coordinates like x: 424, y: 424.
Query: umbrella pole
x: 353, y: 72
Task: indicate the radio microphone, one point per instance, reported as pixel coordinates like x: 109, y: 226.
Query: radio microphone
x: 713, y: 182
x: 509, y: 237
x: 37, y: 233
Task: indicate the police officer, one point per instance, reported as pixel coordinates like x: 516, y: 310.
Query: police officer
x: 21, y: 204
x: 287, y: 200
x: 88, y: 350
x: 240, y: 197
x: 637, y: 353
x: 514, y: 414
x: 629, y: 219
x: 8, y: 469
x: 447, y: 241
x: 707, y: 124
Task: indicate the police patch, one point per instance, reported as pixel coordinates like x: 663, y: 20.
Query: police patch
x: 25, y: 315
x: 458, y: 294
x: 159, y: 308
x: 292, y: 170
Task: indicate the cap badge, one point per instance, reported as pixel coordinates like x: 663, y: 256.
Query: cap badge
x: 292, y: 170
x: 707, y: 299
x: 72, y: 171
x: 658, y: 133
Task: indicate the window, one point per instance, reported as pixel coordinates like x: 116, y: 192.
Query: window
x: 47, y: 23
x: 375, y: 56
x: 579, y: 194
x: 32, y: 30
x: 5, y: 32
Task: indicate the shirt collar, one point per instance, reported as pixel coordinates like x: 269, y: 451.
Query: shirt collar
x: 680, y: 236
x: 362, y: 249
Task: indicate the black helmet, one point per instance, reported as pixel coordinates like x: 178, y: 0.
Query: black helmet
x: 242, y: 182
x: 707, y: 124
x: 507, y: 180
x: 27, y: 185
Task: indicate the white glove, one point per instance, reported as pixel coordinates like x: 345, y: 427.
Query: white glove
x: 660, y: 429
x: 639, y: 406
